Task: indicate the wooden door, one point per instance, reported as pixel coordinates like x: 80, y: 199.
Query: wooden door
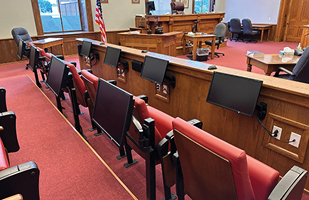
x: 298, y: 16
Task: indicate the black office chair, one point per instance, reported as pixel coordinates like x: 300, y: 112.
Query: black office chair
x: 220, y: 33
x: 177, y: 7
x: 235, y: 29
x: 300, y: 71
x: 248, y: 30
x: 22, y: 34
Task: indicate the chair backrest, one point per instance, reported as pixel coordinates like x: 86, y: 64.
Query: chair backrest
x: 21, y: 33
x: 211, y: 166
x: 235, y: 25
x: 177, y: 7
x: 91, y: 83
x: 301, y: 69
x: 220, y: 31
x: 247, y: 26
x: 79, y: 85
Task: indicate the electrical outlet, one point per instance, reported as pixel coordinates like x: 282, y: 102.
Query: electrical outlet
x: 158, y: 87
x: 296, y: 137
x: 279, y: 132
x: 165, y: 89
x: 269, y: 18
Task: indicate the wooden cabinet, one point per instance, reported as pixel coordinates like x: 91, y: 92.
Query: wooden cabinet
x: 140, y: 22
x: 305, y: 37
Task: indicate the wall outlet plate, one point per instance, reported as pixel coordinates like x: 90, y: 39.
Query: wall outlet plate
x: 297, y: 139
x: 279, y: 132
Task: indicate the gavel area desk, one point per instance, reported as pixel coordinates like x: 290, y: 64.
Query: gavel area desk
x: 271, y: 62
x: 49, y: 42
x: 197, y: 40
x: 287, y: 105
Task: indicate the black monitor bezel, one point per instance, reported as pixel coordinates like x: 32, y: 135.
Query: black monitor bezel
x: 88, y: 50
x: 21, y: 49
x: 108, y: 48
x: 229, y: 108
x: 35, y: 56
x: 129, y: 112
x: 64, y: 79
x: 147, y: 78
x: 150, y: 4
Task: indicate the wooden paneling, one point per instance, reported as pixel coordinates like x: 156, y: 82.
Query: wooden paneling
x: 184, y: 23
x: 158, y: 43
x: 8, y: 47
x: 287, y: 103
x: 305, y: 37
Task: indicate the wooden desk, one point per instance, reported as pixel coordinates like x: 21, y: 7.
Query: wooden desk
x: 206, y: 23
x: 158, y: 43
x: 197, y: 42
x: 49, y: 42
x: 142, y: 30
x: 287, y: 106
x: 263, y: 27
x: 304, y: 42
x: 271, y: 62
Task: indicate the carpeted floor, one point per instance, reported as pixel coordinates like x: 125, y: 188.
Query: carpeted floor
x: 134, y: 177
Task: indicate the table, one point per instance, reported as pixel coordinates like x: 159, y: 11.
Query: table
x: 263, y: 27
x: 197, y: 40
x: 49, y: 42
x: 271, y: 62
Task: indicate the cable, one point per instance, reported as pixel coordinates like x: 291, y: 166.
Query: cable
x: 271, y: 134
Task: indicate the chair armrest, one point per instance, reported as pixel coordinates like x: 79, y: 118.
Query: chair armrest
x: 112, y: 82
x: 291, y: 185
x: 15, y: 197
x: 8, y: 134
x: 143, y: 97
x: 3, y: 107
x: 196, y: 122
x: 22, y: 179
x: 61, y: 57
x: 283, y: 69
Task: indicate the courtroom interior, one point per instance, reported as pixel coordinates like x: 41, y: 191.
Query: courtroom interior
x: 154, y: 99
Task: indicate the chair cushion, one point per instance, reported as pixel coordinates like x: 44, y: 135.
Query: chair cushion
x: 263, y: 178
x: 79, y: 83
x: 4, y: 163
x: 90, y: 77
x: 163, y: 122
x: 236, y: 156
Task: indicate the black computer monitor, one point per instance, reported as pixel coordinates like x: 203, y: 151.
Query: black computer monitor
x: 57, y: 75
x: 112, y: 56
x: 150, y: 6
x: 235, y: 93
x: 154, y: 69
x: 86, y: 48
x: 112, y: 111
x: 34, y: 58
x: 21, y: 49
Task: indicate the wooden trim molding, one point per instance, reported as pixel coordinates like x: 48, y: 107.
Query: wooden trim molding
x: 37, y: 17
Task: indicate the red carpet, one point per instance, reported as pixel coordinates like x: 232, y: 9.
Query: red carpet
x: 69, y: 168
x: 134, y: 176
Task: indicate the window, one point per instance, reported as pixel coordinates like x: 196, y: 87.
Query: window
x: 203, y: 6
x: 162, y: 7
x: 58, y: 16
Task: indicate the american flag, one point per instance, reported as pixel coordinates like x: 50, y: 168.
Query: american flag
x: 99, y: 20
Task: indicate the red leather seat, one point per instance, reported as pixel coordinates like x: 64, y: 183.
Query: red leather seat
x: 4, y: 161
x: 215, y: 169
x: 163, y: 124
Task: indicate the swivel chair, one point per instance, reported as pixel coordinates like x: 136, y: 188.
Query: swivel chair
x: 300, y: 71
x: 214, y: 169
x: 177, y: 7
x: 220, y: 34
x: 248, y: 30
x: 235, y: 29
x: 22, y: 34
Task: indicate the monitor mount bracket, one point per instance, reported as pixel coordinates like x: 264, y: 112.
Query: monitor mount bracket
x: 261, y: 109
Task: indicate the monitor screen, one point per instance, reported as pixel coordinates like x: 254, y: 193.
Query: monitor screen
x: 113, y: 111
x: 154, y: 69
x: 86, y: 48
x: 235, y: 93
x: 112, y: 56
x: 57, y: 75
x: 150, y: 6
x: 34, y: 58
x: 21, y: 49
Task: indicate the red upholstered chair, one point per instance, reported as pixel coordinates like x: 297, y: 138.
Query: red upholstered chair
x: 149, y: 145
x: 214, y: 169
